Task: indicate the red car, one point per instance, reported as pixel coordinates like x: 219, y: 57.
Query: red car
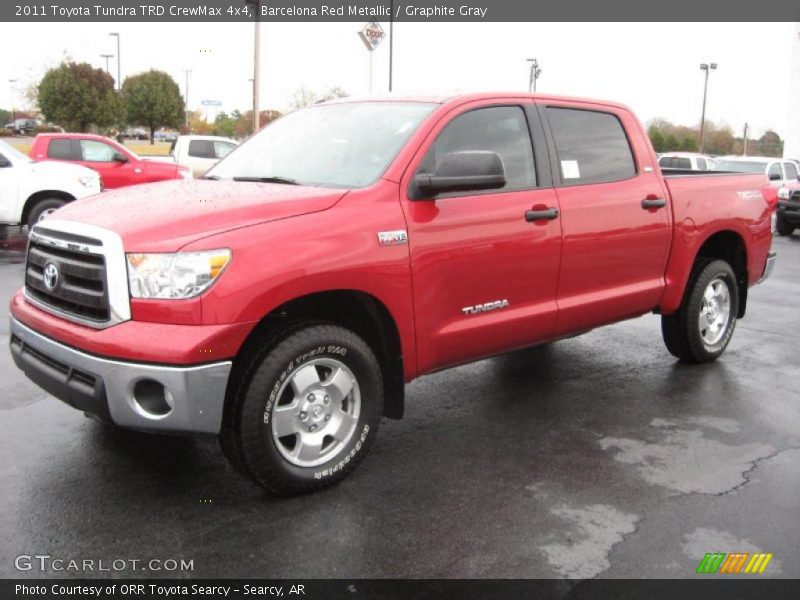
x: 282, y: 301
x: 118, y: 166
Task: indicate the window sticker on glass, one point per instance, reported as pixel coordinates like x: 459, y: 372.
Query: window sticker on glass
x: 570, y: 170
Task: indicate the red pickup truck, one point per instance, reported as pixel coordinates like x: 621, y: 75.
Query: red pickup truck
x: 118, y: 166
x: 283, y: 300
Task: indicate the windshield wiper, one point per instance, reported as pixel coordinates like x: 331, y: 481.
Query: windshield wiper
x: 286, y: 180
x: 212, y: 177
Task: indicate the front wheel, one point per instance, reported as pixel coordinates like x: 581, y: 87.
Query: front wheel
x: 702, y: 327
x: 308, y: 408
x: 43, y: 209
x: 784, y: 227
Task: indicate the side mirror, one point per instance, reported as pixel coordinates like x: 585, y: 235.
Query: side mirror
x: 4, y: 162
x: 119, y: 157
x: 462, y: 172
x: 775, y: 177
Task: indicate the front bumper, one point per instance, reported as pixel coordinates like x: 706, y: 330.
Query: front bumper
x: 129, y: 394
x: 789, y: 210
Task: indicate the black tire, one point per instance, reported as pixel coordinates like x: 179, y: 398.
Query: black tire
x: 247, y: 436
x: 41, y: 207
x: 681, y: 330
x: 783, y: 227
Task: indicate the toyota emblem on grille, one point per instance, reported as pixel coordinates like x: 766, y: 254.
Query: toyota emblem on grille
x: 50, y: 276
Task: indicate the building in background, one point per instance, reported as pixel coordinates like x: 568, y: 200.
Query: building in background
x: 791, y: 147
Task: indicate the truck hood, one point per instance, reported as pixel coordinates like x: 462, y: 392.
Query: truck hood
x: 53, y: 170
x: 163, y: 217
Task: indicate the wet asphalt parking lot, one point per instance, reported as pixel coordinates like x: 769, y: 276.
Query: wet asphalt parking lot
x: 598, y: 456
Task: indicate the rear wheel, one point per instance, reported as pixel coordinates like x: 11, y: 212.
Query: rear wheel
x: 308, y: 408
x: 702, y: 327
x: 784, y: 227
x: 43, y: 209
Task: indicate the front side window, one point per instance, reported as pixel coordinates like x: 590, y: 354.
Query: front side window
x: 775, y: 172
x: 60, y: 149
x: 94, y: 151
x: 348, y: 144
x: 701, y: 164
x: 499, y: 129
x: 592, y: 146
x: 222, y: 149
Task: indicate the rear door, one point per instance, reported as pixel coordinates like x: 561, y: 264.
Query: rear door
x: 202, y: 156
x: 484, y: 277
x: 615, y: 219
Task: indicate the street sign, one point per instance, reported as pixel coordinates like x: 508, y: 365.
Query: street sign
x: 211, y: 103
x: 372, y: 35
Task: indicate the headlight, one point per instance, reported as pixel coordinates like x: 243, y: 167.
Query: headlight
x: 185, y: 173
x: 784, y: 193
x: 88, y: 181
x: 175, y: 276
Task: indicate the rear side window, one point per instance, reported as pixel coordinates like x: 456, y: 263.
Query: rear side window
x: 791, y: 170
x: 675, y: 162
x: 500, y: 129
x: 592, y: 146
x: 60, y: 149
x: 201, y: 149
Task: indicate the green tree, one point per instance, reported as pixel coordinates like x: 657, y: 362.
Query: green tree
x: 76, y: 95
x: 770, y: 144
x: 656, y: 137
x: 5, y: 117
x: 153, y: 99
x: 689, y: 143
x: 671, y: 143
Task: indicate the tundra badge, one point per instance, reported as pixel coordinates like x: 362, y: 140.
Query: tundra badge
x: 393, y: 238
x: 482, y: 308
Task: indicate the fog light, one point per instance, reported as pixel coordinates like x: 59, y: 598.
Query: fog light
x: 152, y: 397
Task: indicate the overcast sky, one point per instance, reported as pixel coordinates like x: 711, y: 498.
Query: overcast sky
x: 654, y: 68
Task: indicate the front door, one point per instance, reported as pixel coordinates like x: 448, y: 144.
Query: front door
x: 100, y: 157
x: 484, y: 277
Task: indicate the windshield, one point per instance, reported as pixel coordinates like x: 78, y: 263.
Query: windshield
x: 338, y: 145
x: 12, y: 154
x: 741, y: 166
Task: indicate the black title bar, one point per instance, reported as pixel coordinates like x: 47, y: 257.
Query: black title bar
x: 189, y: 11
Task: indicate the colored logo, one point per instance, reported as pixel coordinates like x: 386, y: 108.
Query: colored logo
x: 735, y: 562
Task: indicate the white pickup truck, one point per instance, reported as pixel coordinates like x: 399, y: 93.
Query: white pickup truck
x: 32, y: 190
x: 198, y: 152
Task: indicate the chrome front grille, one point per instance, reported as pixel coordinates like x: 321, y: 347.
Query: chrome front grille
x: 80, y: 288
x: 77, y: 272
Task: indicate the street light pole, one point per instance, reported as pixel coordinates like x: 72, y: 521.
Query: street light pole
x: 391, y: 42
x: 107, y: 56
x: 707, y: 68
x: 13, y: 108
x: 255, y: 6
x: 119, y: 60
x: 534, y: 76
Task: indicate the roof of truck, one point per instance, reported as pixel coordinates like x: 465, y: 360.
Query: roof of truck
x: 462, y: 97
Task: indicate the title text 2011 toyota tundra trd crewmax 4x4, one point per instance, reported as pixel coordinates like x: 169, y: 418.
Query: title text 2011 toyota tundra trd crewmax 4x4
x: 283, y: 301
